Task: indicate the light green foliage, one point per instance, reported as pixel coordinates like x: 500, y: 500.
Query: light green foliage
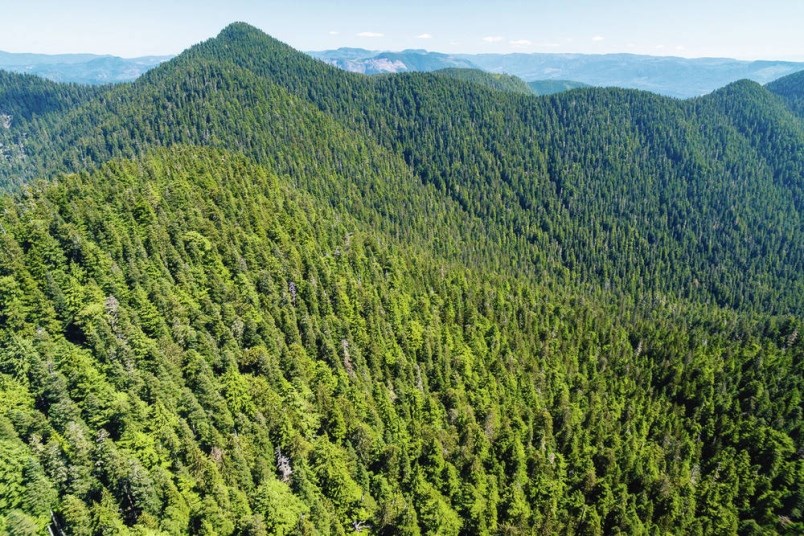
x: 26, y: 495
x: 281, y: 510
x: 18, y: 523
x: 435, y: 514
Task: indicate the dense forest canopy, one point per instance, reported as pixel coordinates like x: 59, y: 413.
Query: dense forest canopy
x: 252, y: 294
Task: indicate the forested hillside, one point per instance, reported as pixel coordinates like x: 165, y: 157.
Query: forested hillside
x: 22, y: 97
x: 192, y: 344
x: 252, y: 294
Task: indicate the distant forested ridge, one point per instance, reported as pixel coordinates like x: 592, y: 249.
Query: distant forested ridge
x: 250, y: 293
x: 500, y: 82
x: 550, y: 87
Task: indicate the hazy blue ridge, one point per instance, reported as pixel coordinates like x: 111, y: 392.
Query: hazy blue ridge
x: 665, y: 75
x: 79, y: 68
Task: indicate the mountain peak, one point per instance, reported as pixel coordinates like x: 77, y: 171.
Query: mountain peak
x: 239, y: 28
x: 246, y: 35
x: 742, y: 89
x: 241, y: 36
x: 249, y: 47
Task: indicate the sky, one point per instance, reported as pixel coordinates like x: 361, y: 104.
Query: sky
x: 743, y: 29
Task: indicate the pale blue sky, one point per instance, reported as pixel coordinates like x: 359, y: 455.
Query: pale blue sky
x: 746, y: 29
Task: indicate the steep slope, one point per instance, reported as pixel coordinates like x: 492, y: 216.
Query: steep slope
x: 791, y: 89
x: 622, y: 189
x: 208, y: 103
x: 513, y: 153
x: 24, y: 96
x: 31, y: 104
x: 189, y: 343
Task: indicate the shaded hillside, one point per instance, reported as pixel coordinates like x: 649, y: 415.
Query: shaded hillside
x: 791, y: 89
x: 24, y: 96
x: 273, y: 297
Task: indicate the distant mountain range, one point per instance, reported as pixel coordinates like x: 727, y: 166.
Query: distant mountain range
x: 358, y: 60
x: 544, y: 73
x: 80, y: 68
x: 671, y: 76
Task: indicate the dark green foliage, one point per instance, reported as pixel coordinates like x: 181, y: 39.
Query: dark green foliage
x: 791, y: 89
x: 424, y: 308
x: 23, y: 96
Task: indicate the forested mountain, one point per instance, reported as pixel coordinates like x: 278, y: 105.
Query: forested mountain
x: 250, y: 293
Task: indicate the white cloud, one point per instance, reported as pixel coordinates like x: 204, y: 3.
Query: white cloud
x: 334, y: 32
x: 598, y: 38
x: 520, y: 43
x: 424, y: 36
x: 370, y: 34
x: 493, y: 39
